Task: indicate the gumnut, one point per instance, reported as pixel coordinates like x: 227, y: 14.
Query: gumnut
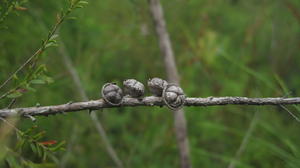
x: 173, y: 96
x: 112, y: 93
x: 156, y: 86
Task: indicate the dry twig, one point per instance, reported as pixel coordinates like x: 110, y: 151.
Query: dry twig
x: 165, y: 45
x: 146, y: 101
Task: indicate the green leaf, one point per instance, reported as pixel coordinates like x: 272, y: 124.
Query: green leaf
x: 30, y: 88
x: 79, y: 6
x: 14, y: 95
x: 47, y: 79
x: 44, y: 155
x: 15, y: 77
x: 42, y: 165
x: 38, y: 81
x: 53, y: 37
x: 52, y: 41
x: 83, y: 2
x: 33, y: 148
x: 39, y: 150
x: 72, y: 18
x: 58, y: 146
x: 12, y: 162
x: 29, y: 130
x: 51, y: 44
x: 20, y: 144
x: 39, y: 135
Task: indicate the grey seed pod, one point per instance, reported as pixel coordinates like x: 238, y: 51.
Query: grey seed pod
x: 156, y: 86
x: 173, y: 96
x: 112, y: 94
x: 133, y: 88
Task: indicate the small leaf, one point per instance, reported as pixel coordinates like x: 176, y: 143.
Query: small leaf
x: 22, y: 90
x: 41, y: 68
x: 79, y: 6
x: 11, y: 161
x: 58, y: 17
x: 14, y: 95
x: 72, y: 18
x: 20, y: 8
x: 30, y: 88
x: 20, y: 144
x: 58, y: 146
x: 52, y: 41
x: 42, y: 165
x: 53, y: 37
x: 83, y: 2
x: 39, y: 135
x: 51, y: 44
x: 47, y: 79
x: 39, y: 150
x: 15, y: 77
x: 33, y: 148
x: 51, y: 142
x: 29, y: 130
x: 38, y: 81
x: 44, y: 155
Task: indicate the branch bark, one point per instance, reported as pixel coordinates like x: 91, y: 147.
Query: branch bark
x: 165, y: 45
x: 146, y: 101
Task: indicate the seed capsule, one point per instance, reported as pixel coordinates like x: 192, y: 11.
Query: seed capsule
x: 133, y: 88
x: 156, y: 86
x: 112, y: 94
x: 173, y: 96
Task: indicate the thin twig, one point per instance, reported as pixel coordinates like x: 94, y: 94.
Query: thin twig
x: 245, y: 140
x: 165, y: 45
x: 11, y: 125
x: 291, y: 113
x: 42, y: 48
x: 21, y: 67
x: 146, y: 101
x: 295, y: 12
x: 12, y: 102
x: 5, y: 131
x: 71, y: 143
x: 75, y: 77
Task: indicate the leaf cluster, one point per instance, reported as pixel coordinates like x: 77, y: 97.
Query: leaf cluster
x: 31, y: 151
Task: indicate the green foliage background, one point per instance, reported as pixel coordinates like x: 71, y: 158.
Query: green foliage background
x: 222, y: 48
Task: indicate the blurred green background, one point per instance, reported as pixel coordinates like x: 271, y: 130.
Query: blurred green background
x: 223, y: 48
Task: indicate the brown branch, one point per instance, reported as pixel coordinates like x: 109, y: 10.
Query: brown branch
x: 295, y: 12
x: 77, y: 82
x: 146, y: 101
x: 98, y: 125
x: 165, y: 45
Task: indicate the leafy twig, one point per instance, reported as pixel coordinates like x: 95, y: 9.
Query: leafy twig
x: 48, y: 42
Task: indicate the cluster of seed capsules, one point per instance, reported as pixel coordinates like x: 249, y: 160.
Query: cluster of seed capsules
x: 173, y: 96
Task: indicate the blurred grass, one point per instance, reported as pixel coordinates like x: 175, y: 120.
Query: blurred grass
x: 114, y: 40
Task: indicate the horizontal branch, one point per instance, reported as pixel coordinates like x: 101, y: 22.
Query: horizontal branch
x: 146, y: 101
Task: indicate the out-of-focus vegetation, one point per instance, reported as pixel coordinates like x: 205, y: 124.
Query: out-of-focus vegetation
x: 222, y: 48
